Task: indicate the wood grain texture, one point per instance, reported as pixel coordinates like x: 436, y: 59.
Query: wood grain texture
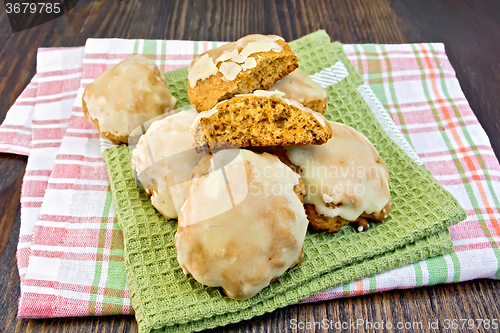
x: 469, y: 29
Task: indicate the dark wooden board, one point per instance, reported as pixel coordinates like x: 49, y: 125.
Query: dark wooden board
x: 469, y: 29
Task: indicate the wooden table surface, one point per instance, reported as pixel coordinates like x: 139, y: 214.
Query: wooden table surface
x: 469, y: 29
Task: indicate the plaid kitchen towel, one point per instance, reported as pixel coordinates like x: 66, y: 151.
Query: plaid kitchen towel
x: 44, y: 110
x: 15, y: 131
x: 417, y: 86
x: 102, y: 289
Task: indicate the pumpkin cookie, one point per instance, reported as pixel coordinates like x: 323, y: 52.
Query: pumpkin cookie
x: 242, y: 223
x: 252, y: 62
x: 345, y: 179
x: 164, y: 158
x: 260, y: 119
x: 125, y: 97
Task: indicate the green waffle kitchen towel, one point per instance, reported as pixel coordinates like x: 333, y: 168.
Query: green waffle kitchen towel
x: 165, y: 300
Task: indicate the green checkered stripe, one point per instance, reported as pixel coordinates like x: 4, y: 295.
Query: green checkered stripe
x: 109, y: 298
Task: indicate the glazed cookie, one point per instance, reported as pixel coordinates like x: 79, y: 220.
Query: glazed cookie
x: 243, y: 223
x: 164, y: 158
x: 300, y: 87
x: 252, y: 62
x: 345, y: 179
x: 126, y: 96
x: 263, y: 118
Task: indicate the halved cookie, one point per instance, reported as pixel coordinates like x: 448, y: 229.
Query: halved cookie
x: 252, y: 62
x: 260, y: 119
x: 345, y: 179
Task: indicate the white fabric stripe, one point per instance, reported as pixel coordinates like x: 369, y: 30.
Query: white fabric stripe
x: 22, y: 270
x: 425, y: 272
x: 467, y: 174
x: 59, y: 77
x: 77, y: 113
x: 89, y: 182
x: 57, y: 125
x: 111, y: 62
x: 75, y: 226
x: 458, y: 155
x: 87, y: 81
x: 402, y: 55
x: 425, y: 107
x: 66, y: 249
x: 23, y: 245
x: 12, y: 130
x: 330, y: 75
x: 81, y: 130
x: 25, y: 99
x: 62, y: 293
x: 140, y: 47
x: 35, y: 178
x: 31, y: 199
x: 34, y: 142
x: 398, y: 49
x: 95, y: 164
x: 472, y: 241
x: 387, y: 123
x: 451, y: 268
x: 55, y: 96
x: 476, y: 264
x: 19, y: 115
x: 427, y: 125
x: 14, y: 147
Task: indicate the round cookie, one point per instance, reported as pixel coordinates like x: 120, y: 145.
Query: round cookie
x: 301, y: 88
x: 345, y: 179
x: 242, y: 223
x: 164, y: 158
x: 263, y: 118
x: 126, y: 96
x: 252, y: 62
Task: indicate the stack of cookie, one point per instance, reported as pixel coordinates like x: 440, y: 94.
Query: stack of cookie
x: 252, y: 164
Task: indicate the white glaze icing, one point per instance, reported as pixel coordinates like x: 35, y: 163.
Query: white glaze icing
x: 227, y: 55
x: 201, y: 69
x: 300, y: 87
x: 346, y: 171
x: 164, y: 158
x: 250, y: 240
x: 230, y: 55
x: 256, y: 47
x: 249, y: 63
x: 230, y: 70
x: 127, y: 95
